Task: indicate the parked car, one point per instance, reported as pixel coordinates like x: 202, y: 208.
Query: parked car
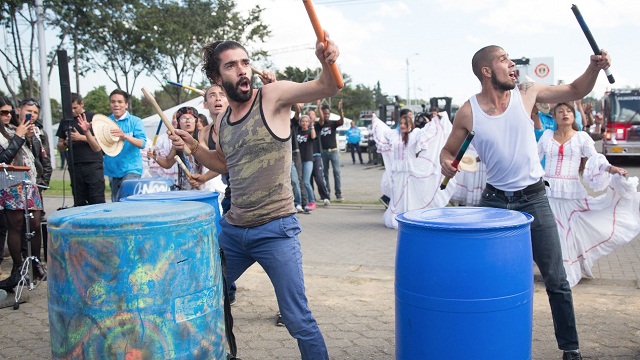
x: 342, y: 137
x: 364, y: 124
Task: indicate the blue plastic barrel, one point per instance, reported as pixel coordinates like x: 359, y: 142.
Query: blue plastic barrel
x: 464, y: 284
x: 135, y: 280
x: 204, y: 196
x: 143, y: 186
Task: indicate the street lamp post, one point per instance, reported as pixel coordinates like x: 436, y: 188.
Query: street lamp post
x: 408, y: 85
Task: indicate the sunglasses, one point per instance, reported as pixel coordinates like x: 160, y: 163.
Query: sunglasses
x: 6, y: 112
x: 29, y: 102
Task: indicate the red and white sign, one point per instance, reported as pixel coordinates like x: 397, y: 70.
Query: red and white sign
x: 542, y: 70
x: 539, y: 70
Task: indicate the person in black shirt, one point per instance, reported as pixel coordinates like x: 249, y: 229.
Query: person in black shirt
x: 330, y: 154
x: 306, y: 134
x: 85, y: 157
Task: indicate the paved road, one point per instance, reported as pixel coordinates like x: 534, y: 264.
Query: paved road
x: 348, y: 258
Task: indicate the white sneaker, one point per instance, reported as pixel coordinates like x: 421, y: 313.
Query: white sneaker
x: 299, y: 208
x: 326, y: 202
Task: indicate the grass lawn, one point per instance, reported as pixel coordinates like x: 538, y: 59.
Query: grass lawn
x: 63, y: 187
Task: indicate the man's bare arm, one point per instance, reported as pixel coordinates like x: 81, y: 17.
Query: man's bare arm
x: 461, y: 127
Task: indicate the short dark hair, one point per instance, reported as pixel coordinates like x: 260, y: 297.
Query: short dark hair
x: 76, y: 98
x: 120, y: 92
x: 211, y: 57
x: 433, y: 108
x: 405, y: 111
x: 325, y: 106
x: 482, y: 58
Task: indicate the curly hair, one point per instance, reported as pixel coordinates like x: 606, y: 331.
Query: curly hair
x: 211, y: 57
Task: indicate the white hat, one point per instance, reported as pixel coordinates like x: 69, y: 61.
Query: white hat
x: 468, y: 163
x: 102, y: 126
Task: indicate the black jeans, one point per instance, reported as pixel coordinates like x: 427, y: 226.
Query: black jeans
x: 547, y: 254
x: 87, y: 182
x: 353, y: 148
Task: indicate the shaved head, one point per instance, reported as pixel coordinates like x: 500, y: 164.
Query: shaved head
x: 482, y: 58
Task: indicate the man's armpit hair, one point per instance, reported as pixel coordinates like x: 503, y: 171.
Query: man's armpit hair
x: 525, y: 86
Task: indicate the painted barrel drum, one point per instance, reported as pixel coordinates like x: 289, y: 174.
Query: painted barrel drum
x: 204, y: 196
x: 143, y: 186
x: 135, y: 280
x: 464, y: 284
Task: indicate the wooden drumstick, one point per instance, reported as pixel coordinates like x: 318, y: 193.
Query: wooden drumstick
x: 184, y: 168
x: 335, y: 72
x: 166, y: 121
x: 256, y: 71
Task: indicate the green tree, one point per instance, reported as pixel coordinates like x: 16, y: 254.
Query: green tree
x: 178, y: 30
x: 298, y: 75
x: 71, y: 18
x: 56, y: 111
x: 18, y: 19
x: 355, y: 99
x: 97, y: 101
x: 115, y: 45
x: 379, y: 98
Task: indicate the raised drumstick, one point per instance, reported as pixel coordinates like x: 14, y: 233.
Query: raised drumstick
x: 166, y: 121
x: 335, y: 72
x: 590, y: 39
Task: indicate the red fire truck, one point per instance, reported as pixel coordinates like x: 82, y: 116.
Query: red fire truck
x: 621, y: 112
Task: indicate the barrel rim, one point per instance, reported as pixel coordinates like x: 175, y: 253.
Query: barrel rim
x: 403, y: 221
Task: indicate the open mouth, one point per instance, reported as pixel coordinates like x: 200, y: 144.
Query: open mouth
x: 244, y: 84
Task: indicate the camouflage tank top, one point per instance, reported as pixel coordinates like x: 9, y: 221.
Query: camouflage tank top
x: 259, y: 166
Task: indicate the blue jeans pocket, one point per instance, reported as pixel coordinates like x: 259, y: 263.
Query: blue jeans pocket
x: 290, y: 226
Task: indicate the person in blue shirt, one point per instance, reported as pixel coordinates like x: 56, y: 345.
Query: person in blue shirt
x: 353, y: 141
x: 128, y: 163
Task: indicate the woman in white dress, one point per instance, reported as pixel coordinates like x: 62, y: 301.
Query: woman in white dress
x: 411, y: 158
x: 589, y: 227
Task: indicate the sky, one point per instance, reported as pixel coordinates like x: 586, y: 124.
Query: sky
x: 377, y: 37
x: 438, y: 38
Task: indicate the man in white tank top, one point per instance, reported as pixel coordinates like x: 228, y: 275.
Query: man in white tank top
x: 505, y: 141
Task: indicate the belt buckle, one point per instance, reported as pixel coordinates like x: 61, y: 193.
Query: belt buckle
x: 510, y: 195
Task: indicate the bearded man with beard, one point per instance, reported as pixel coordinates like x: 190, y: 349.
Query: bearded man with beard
x: 254, y: 147
x: 505, y: 141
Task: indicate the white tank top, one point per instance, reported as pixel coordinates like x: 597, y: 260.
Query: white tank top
x: 507, y: 145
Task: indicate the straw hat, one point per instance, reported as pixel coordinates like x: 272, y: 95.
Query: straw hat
x: 102, y: 126
x: 468, y: 163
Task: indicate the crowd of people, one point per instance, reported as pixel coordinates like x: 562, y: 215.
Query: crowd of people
x: 533, y: 151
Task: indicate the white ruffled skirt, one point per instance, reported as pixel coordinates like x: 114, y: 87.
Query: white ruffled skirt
x: 592, y: 227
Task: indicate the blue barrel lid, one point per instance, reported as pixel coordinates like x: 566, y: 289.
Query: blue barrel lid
x: 118, y: 215
x: 465, y: 218
x: 181, y: 195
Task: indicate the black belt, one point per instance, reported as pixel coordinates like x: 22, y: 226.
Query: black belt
x: 531, y: 189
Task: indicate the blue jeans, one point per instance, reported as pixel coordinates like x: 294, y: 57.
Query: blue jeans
x: 116, y: 183
x: 307, y: 170
x: 276, y: 247
x: 334, y: 158
x: 547, y: 254
x: 295, y: 184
